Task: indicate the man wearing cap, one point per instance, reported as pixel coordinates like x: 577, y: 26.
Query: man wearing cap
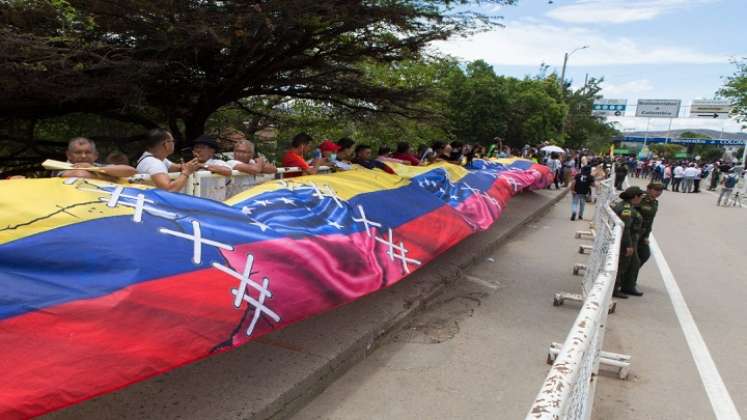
x: 329, y: 151
x: 204, y: 151
x: 647, y: 208
x: 628, y: 261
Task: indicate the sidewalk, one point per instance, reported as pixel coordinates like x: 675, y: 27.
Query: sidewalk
x: 277, y: 374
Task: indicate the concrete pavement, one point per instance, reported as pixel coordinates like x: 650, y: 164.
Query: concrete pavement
x: 478, y: 351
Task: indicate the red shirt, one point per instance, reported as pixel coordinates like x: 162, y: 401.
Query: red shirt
x: 291, y: 159
x: 407, y: 157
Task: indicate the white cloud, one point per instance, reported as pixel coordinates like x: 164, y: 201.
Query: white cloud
x: 619, y: 11
x: 627, y: 89
x: 530, y: 43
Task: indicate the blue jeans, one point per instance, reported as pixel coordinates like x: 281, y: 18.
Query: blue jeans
x: 578, y: 202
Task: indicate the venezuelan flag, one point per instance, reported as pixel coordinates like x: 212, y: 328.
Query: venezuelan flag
x: 108, y: 284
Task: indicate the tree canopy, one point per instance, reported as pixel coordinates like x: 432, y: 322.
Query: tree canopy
x: 735, y: 88
x: 155, y: 61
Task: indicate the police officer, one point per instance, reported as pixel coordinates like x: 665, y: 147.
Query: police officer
x: 648, y: 208
x: 628, y: 263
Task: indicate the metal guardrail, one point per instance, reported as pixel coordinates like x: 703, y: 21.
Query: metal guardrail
x: 590, y: 269
x: 206, y: 184
x: 569, y: 388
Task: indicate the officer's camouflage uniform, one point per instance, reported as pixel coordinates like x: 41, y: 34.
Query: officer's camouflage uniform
x: 628, y: 266
x: 648, y: 208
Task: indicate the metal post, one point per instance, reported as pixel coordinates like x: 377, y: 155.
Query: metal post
x: 562, y: 72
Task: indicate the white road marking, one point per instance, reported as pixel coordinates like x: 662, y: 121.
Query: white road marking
x: 721, y: 402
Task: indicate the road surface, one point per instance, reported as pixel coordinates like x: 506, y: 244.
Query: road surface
x: 478, y: 352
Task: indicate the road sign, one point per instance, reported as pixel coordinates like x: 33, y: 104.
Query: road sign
x: 658, y: 108
x: 716, y: 110
x: 609, y: 107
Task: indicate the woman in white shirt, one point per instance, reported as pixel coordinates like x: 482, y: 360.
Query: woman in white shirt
x: 159, y: 145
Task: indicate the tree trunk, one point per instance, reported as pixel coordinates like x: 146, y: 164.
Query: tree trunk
x: 194, y: 127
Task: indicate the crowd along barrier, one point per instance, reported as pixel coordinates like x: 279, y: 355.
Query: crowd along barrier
x: 569, y: 388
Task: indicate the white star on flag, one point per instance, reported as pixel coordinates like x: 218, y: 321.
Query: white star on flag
x: 260, y: 225
x: 335, y: 225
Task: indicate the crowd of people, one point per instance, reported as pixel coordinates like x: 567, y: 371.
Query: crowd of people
x: 578, y: 170
x: 581, y: 172
x: 304, y: 154
x: 683, y: 176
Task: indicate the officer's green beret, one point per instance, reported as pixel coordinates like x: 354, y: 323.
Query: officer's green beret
x: 631, y: 192
x: 658, y: 186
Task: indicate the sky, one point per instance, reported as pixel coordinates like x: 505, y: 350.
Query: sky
x: 647, y: 49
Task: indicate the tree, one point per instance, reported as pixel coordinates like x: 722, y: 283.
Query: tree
x: 667, y: 151
x: 582, y: 129
x: 178, y: 62
x: 735, y: 89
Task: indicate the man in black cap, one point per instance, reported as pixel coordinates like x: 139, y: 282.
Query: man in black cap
x: 204, y: 150
x: 628, y: 263
x: 647, y: 208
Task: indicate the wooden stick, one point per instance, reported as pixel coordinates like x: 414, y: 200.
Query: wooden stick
x: 56, y: 165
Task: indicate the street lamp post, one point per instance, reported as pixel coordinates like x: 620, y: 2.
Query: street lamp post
x: 565, y: 63
x: 562, y: 84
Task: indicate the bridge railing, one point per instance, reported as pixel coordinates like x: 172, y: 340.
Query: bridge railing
x: 597, y: 251
x: 218, y: 187
x: 569, y: 388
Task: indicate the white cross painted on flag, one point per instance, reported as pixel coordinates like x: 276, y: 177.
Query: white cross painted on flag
x: 139, y: 203
x: 197, y: 241
x: 402, y: 255
x: 367, y: 223
x: 328, y: 192
x: 470, y: 188
x: 515, y: 187
x: 241, y: 294
x: 491, y: 199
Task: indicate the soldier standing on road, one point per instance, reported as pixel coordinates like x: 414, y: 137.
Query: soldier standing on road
x: 648, y: 208
x: 628, y: 263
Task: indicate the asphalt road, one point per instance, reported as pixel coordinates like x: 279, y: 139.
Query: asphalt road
x: 479, y: 351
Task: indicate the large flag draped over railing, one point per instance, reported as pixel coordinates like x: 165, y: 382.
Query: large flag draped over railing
x: 104, y: 285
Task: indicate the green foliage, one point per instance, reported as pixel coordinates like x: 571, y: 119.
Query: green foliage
x: 708, y: 153
x: 667, y: 151
x: 735, y: 89
x: 693, y: 135
x: 582, y: 128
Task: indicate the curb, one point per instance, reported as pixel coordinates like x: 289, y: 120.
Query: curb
x: 302, y: 392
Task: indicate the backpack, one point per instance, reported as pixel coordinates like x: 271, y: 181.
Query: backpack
x: 583, y: 184
x: 730, y: 181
